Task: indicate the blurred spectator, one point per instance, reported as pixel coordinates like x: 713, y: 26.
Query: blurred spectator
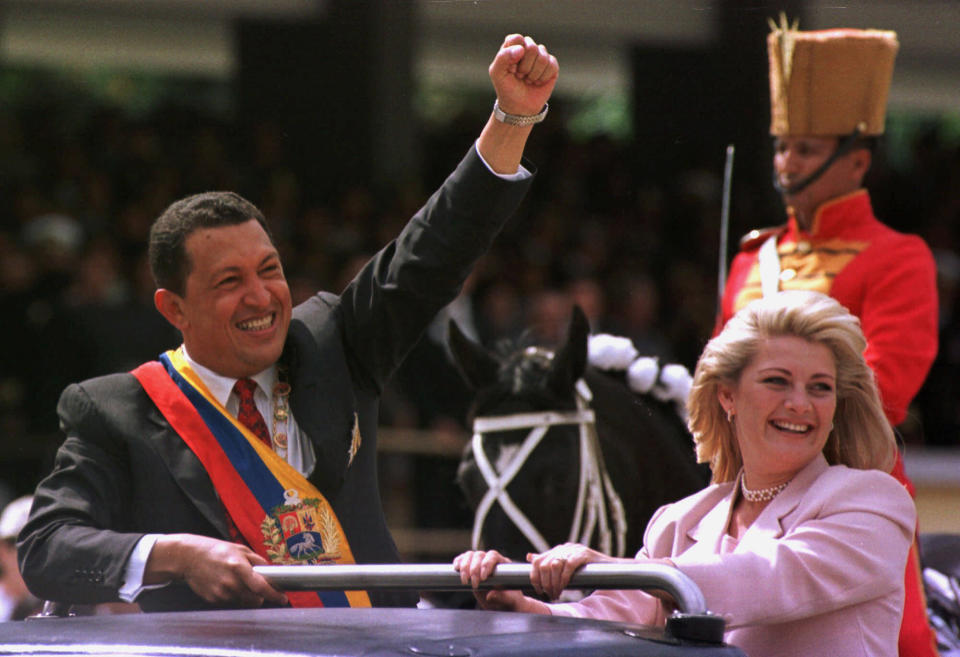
x: 640, y: 316
x: 499, y: 311
x: 16, y: 602
x: 549, y: 317
x: 588, y: 293
x: 81, y: 182
x: 48, y: 345
x: 18, y: 274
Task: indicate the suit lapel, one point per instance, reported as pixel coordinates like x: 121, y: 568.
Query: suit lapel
x: 321, y: 399
x: 770, y: 522
x: 322, y: 403
x: 707, y: 534
x: 187, y: 471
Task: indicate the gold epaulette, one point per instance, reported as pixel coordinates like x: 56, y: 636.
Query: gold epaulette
x: 755, y: 238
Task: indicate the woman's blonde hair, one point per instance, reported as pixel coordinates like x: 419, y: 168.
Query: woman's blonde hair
x: 861, y: 436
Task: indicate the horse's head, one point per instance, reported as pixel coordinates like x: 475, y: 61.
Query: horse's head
x: 638, y: 439
x: 525, y: 380
x: 518, y: 379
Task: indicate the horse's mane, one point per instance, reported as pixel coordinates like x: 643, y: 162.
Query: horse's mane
x: 643, y: 374
x: 515, y: 369
x: 526, y: 363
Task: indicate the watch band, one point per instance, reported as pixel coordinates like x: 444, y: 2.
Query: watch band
x: 519, y: 119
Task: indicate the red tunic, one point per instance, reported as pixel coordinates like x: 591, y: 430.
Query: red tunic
x: 888, y: 280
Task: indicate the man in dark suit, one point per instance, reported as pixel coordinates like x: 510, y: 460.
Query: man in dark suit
x: 136, y: 507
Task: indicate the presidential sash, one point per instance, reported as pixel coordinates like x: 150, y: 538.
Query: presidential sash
x: 280, y: 514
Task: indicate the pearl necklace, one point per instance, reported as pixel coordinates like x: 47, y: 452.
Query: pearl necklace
x: 761, y: 494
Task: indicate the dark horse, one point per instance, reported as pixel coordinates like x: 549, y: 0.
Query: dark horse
x: 646, y: 449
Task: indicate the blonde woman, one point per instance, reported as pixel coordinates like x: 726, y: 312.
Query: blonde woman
x: 801, y: 540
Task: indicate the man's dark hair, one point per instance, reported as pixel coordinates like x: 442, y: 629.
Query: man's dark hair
x: 168, y: 235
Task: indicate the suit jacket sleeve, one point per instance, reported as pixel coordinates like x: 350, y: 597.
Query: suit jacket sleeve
x: 342, y: 349
x: 625, y: 606
x: 391, y: 301
x: 845, y: 544
x: 630, y: 606
x: 75, y: 546
x: 120, y: 473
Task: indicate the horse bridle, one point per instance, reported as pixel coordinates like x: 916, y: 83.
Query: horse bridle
x: 597, y: 499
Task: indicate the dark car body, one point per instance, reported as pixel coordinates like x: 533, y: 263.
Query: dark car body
x: 329, y: 632
x: 692, y: 631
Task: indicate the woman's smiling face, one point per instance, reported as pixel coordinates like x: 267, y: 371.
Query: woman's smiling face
x: 783, y: 406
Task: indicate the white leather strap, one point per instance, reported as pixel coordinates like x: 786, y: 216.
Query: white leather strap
x: 597, y: 500
x: 769, y: 262
x: 492, y: 423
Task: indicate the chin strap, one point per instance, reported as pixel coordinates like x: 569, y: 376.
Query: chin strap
x: 844, y: 147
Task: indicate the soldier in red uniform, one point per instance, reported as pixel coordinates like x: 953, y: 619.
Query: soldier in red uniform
x: 828, y: 103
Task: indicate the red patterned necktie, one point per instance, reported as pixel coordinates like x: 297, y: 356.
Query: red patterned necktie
x: 249, y: 416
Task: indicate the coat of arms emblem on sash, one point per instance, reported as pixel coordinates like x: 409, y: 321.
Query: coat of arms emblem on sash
x: 301, y: 531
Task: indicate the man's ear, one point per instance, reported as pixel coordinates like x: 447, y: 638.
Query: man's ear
x: 861, y: 158
x: 170, y: 306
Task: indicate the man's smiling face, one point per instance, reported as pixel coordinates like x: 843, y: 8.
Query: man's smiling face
x: 236, y: 306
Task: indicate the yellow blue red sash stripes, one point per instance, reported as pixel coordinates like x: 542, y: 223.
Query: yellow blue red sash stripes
x: 280, y: 514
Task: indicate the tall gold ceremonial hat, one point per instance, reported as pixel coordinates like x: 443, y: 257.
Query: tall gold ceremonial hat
x: 829, y: 82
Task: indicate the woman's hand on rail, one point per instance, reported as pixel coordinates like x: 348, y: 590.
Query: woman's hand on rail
x: 477, y: 565
x: 551, y: 570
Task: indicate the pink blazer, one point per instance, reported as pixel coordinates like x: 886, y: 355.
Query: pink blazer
x: 819, y: 572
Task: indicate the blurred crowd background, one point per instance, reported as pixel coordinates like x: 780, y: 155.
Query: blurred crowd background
x: 634, y: 243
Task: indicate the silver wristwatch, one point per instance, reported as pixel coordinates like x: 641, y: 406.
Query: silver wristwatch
x: 519, y: 119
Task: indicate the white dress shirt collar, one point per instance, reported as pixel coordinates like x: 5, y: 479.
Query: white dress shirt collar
x: 221, y: 386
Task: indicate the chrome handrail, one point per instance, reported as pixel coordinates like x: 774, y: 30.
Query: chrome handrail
x: 652, y: 577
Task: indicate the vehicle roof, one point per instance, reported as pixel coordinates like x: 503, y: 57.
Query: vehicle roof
x: 321, y: 632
